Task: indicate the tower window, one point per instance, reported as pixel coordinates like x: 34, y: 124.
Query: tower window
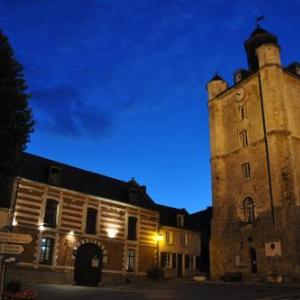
x: 238, y: 77
x: 249, y: 210
x: 50, y: 217
x: 244, y: 138
x: 91, y: 221
x: 242, y: 110
x: 246, y: 170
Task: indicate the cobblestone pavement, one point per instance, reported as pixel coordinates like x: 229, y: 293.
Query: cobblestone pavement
x: 173, y: 289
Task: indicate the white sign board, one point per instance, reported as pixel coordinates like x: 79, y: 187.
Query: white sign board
x: 11, y: 249
x: 273, y: 249
x: 9, y: 237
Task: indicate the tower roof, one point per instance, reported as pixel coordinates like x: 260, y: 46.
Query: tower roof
x: 216, y: 77
x: 257, y: 38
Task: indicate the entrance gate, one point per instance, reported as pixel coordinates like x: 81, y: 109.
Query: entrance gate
x: 88, y: 265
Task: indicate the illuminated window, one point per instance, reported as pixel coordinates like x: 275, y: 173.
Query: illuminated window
x: 132, y: 228
x: 91, y: 221
x: 246, y: 170
x: 166, y: 260
x: 249, y: 211
x: 130, y: 260
x: 46, y: 251
x: 50, y: 217
x: 184, y: 239
x: 244, y: 138
x: 169, y: 237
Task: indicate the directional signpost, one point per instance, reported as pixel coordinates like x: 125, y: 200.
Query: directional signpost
x: 9, y: 237
x: 6, y: 248
x: 11, y: 249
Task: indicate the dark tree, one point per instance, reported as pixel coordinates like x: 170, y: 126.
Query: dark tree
x: 16, y: 121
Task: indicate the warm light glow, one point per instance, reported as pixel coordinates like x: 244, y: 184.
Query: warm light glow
x: 158, y: 237
x: 112, y: 232
x: 71, y: 232
x: 14, y: 222
x: 41, y: 227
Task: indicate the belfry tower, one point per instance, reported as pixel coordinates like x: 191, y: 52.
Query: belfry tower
x: 255, y: 164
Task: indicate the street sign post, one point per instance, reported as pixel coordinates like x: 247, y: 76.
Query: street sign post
x: 11, y: 249
x: 9, y: 237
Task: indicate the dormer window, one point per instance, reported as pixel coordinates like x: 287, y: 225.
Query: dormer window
x: 54, y: 175
x: 180, y: 220
x: 132, y: 195
x: 238, y: 77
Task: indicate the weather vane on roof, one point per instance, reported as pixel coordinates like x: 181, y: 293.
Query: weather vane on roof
x: 259, y: 19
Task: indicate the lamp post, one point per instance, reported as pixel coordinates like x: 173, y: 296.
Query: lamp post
x: 158, y: 238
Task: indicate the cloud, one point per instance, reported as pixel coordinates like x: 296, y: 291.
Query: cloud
x: 62, y: 110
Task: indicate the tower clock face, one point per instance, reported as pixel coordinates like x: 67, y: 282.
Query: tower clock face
x: 239, y: 95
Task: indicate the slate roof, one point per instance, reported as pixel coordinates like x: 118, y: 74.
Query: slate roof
x: 36, y: 168
x: 168, y: 217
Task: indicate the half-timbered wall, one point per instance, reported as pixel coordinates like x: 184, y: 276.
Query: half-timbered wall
x: 69, y: 233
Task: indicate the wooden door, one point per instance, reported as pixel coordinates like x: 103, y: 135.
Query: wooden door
x: 88, y: 265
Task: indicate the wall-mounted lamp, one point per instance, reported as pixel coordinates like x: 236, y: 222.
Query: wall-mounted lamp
x: 41, y: 228
x: 158, y: 237
x: 14, y: 222
x: 112, y: 232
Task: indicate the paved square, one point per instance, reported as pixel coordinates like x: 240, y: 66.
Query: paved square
x: 173, y: 289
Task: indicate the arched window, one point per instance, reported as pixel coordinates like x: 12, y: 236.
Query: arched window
x: 249, y: 210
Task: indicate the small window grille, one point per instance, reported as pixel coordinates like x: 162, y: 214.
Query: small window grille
x: 246, y: 170
x: 244, y: 138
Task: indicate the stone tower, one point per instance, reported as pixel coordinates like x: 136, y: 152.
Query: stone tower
x: 255, y: 164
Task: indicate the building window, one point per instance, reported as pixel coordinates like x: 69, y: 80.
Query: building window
x: 187, y: 261
x: 244, y: 138
x: 242, y: 112
x: 174, y: 260
x: 184, y: 239
x: 180, y: 220
x: 169, y: 237
x: 50, y: 217
x: 238, y: 77
x: 91, y: 221
x: 46, y: 251
x: 166, y: 259
x: 130, y: 260
x: 132, y: 228
x: 54, y: 175
x: 246, y: 170
x: 132, y: 195
x: 249, y: 210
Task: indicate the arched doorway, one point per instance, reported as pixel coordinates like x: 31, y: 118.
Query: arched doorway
x: 253, y: 260
x: 88, y: 265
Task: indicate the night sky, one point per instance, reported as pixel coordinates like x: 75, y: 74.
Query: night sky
x: 118, y: 86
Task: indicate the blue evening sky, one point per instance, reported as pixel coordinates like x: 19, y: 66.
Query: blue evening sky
x: 118, y: 86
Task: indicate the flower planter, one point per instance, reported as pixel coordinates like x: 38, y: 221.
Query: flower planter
x: 22, y: 295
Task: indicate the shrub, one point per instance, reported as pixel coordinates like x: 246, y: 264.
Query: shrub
x: 155, y: 273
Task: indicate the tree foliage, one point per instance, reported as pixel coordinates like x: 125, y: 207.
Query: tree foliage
x: 16, y: 121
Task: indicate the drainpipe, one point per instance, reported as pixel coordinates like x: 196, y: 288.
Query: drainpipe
x: 266, y: 148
